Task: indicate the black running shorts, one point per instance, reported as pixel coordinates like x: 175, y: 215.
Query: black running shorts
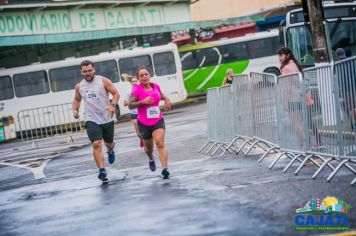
x: 99, y: 132
x: 133, y: 116
x: 146, y: 131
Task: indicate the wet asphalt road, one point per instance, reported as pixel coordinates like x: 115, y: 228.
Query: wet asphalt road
x: 61, y: 194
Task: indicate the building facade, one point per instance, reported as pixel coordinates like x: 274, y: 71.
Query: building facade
x: 202, y: 10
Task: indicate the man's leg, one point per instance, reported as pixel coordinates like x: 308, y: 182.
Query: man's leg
x: 98, y: 153
x: 95, y: 134
x: 108, y: 136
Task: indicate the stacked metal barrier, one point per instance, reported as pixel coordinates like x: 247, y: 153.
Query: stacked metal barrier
x: 242, y: 114
x: 242, y: 104
x: 43, y: 122
x: 220, y: 120
x: 264, y: 109
x: 345, y: 72
x: 308, y: 118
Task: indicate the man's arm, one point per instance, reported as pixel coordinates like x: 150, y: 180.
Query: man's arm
x: 76, y: 102
x: 109, y: 87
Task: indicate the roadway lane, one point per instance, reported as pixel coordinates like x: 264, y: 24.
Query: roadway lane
x: 205, y: 196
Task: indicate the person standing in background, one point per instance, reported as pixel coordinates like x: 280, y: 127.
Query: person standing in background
x: 133, y: 112
x: 229, y: 77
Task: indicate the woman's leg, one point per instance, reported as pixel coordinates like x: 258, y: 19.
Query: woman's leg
x: 149, y: 148
x: 134, y: 123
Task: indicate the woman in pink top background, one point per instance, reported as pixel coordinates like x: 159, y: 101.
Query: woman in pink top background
x: 146, y: 97
x: 290, y: 65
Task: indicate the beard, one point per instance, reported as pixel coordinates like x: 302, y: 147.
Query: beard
x: 89, y: 78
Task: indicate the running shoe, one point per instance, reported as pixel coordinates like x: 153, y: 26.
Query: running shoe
x: 111, y: 156
x: 102, y: 175
x: 165, y: 173
x: 141, y: 143
x: 152, y: 164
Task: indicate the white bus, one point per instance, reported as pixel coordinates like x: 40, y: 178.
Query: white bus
x: 49, y: 84
x: 340, y: 29
x: 205, y: 64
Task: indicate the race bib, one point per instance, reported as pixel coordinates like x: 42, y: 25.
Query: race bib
x: 91, y: 95
x: 153, y: 112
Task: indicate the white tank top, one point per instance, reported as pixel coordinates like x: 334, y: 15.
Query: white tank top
x: 96, y: 101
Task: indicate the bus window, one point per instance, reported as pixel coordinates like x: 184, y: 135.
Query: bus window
x: 261, y: 48
x: 343, y: 35
x: 188, y: 60
x: 32, y: 83
x: 164, y: 63
x: 300, y: 42
x: 107, y: 69
x: 64, y: 78
x: 234, y: 52
x: 208, y: 57
x: 6, y: 88
x: 129, y: 65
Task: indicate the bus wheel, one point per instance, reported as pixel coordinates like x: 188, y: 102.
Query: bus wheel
x: 117, y: 113
x: 272, y: 70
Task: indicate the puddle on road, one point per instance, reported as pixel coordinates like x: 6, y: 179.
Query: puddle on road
x: 40, y: 195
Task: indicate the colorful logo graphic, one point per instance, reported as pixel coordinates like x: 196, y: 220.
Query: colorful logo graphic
x: 328, y: 214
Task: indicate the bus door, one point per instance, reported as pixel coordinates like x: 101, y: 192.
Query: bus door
x: 167, y: 75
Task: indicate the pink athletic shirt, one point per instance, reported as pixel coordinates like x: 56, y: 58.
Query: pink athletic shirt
x: 148, y: 114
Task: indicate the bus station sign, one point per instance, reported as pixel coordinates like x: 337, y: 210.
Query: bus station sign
x: 90, y: 19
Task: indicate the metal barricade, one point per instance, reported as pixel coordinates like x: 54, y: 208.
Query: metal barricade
x: 322, y: 111
x: 225, y: 118
x: 292, y: 103
x: 345, y: 83
x: 326, y: 138
x: 306, y: 118
x: 220, y: 120
x: 345, y: 100
x: 242, y: 105
x: 322, y: 118
x: 242, y: 114
x: 290, y: 108
x: 264, y: 111
x: 43, y: 122
x: 213, y: 129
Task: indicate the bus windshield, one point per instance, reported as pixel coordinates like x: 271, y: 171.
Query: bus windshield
x: 342, y: 34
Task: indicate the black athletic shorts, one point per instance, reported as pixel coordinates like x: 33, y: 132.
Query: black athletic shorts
x: 146, y: 131
x: 133, y: 116
x: 99, y: 132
